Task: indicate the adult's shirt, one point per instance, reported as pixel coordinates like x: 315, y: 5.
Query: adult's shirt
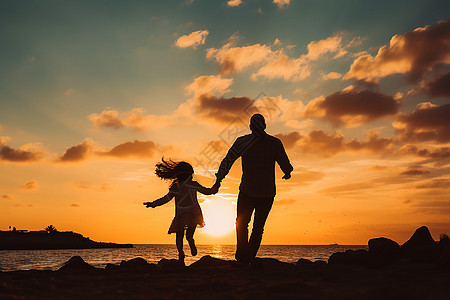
x: 259, y: 154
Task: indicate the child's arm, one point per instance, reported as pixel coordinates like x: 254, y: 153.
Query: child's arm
x: 160, y: 201
x: 209, y: 191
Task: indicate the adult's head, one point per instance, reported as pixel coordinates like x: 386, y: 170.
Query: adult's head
x: 257, y: 124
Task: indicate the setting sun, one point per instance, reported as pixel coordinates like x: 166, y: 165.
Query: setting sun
x: 219, y: 218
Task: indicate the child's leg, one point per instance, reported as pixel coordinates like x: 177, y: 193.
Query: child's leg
x: 179, y: 242
x: 190, y: 238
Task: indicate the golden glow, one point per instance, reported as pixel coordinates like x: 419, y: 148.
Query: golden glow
x: 219, y: 218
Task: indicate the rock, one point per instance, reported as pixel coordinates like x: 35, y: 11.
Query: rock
x: 383, y: 251
x: 349, y: 257
x: 320, y: 263
x: 421, y: 247
x: 170, y: 264
x: 76, y: 263
x: 111, y: 267
x: 443, y: 253
x: 134, y: 263
x: 208, y: 261
x: 270, y: 264
x: 303, y: 262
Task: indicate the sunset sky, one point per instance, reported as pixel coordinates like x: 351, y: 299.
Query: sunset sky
x: 94, y: 93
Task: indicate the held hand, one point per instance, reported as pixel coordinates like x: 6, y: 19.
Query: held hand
x: 286, y: 176
x: 215, y: 187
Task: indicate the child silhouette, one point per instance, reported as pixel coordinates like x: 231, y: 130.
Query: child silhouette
x: 188, y: 214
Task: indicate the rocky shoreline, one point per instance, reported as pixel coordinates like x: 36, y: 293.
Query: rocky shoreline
x: 419, y: 269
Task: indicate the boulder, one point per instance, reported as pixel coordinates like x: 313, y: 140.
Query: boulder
x: 269, y: 264
x: 170, y: 264
x: 304, y: 262
x: 383, y: 251
x: 443, y: 253
x: 76, y: 263
x: 135, y: 263
x: 112, y: 267
x: 349, y: 257
x: 421, y: 247
x: 208, y: 261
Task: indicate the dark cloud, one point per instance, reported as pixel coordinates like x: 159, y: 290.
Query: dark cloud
x: 438, y: 87
x: 86, y: 149
x: 133, y: 148
x: 435, y: 184
x: 353, y: 107
x: 415, y: 172
x: 427, y: 122
x: 7, y: 196
x: 18, y: 155
x: 328, y: 144
x: 225, y: 110
x: 76, y: 153
x: 30, y: 185
x: 414, y: 54
x: 437, y: 153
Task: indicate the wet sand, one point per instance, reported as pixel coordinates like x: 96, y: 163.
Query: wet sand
x: 217, y: 279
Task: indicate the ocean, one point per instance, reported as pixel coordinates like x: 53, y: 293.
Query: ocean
x: 13, y: 260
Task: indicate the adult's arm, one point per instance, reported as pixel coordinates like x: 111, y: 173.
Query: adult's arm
x: 234, y: 153
x: 283, y: 160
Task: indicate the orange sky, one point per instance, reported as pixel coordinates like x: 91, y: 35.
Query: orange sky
x: 86, y: 112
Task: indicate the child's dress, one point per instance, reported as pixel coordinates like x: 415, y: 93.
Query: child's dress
x: 187, y: 209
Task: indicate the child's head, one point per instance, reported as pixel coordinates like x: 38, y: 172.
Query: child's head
x: 169, y: 169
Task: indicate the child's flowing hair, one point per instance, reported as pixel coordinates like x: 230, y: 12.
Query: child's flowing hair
x: 178, y: 171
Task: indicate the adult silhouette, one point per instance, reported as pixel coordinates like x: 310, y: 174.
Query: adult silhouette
x: 259, y: 152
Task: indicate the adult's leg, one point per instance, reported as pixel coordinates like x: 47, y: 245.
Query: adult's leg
x: 179, y: 243
x: 190, y: 238
x: 262, y: 209
x: 245, y: 208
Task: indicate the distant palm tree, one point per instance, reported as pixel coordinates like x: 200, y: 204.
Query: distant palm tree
x: 51, y: 229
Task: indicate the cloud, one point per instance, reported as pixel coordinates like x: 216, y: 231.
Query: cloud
x: 224, y: 109
x: 325, y: 144
x: 211, y: 85
x: 77, y: 153
x: 135, y: 119
x: 435, y: 184
x: 415, y: 172
x: 437, y: 87
x: 329, y: 45
x: 99, y: 187
x: 88, y: 149
x: 193, y: 39
x: 331, y: 75
x: 282, y: 3
x: 352, y: 107
x: 74, y: 205
x: 414, y: 54
x: 30, y: 185
x: 7, y: 196
x: 428, y: 122
x: 281, y: 66
x: 234, y: 3
x: 27, y: 153
x: 235, y: 59
x: 131, y: 149
x: 273, y: 63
